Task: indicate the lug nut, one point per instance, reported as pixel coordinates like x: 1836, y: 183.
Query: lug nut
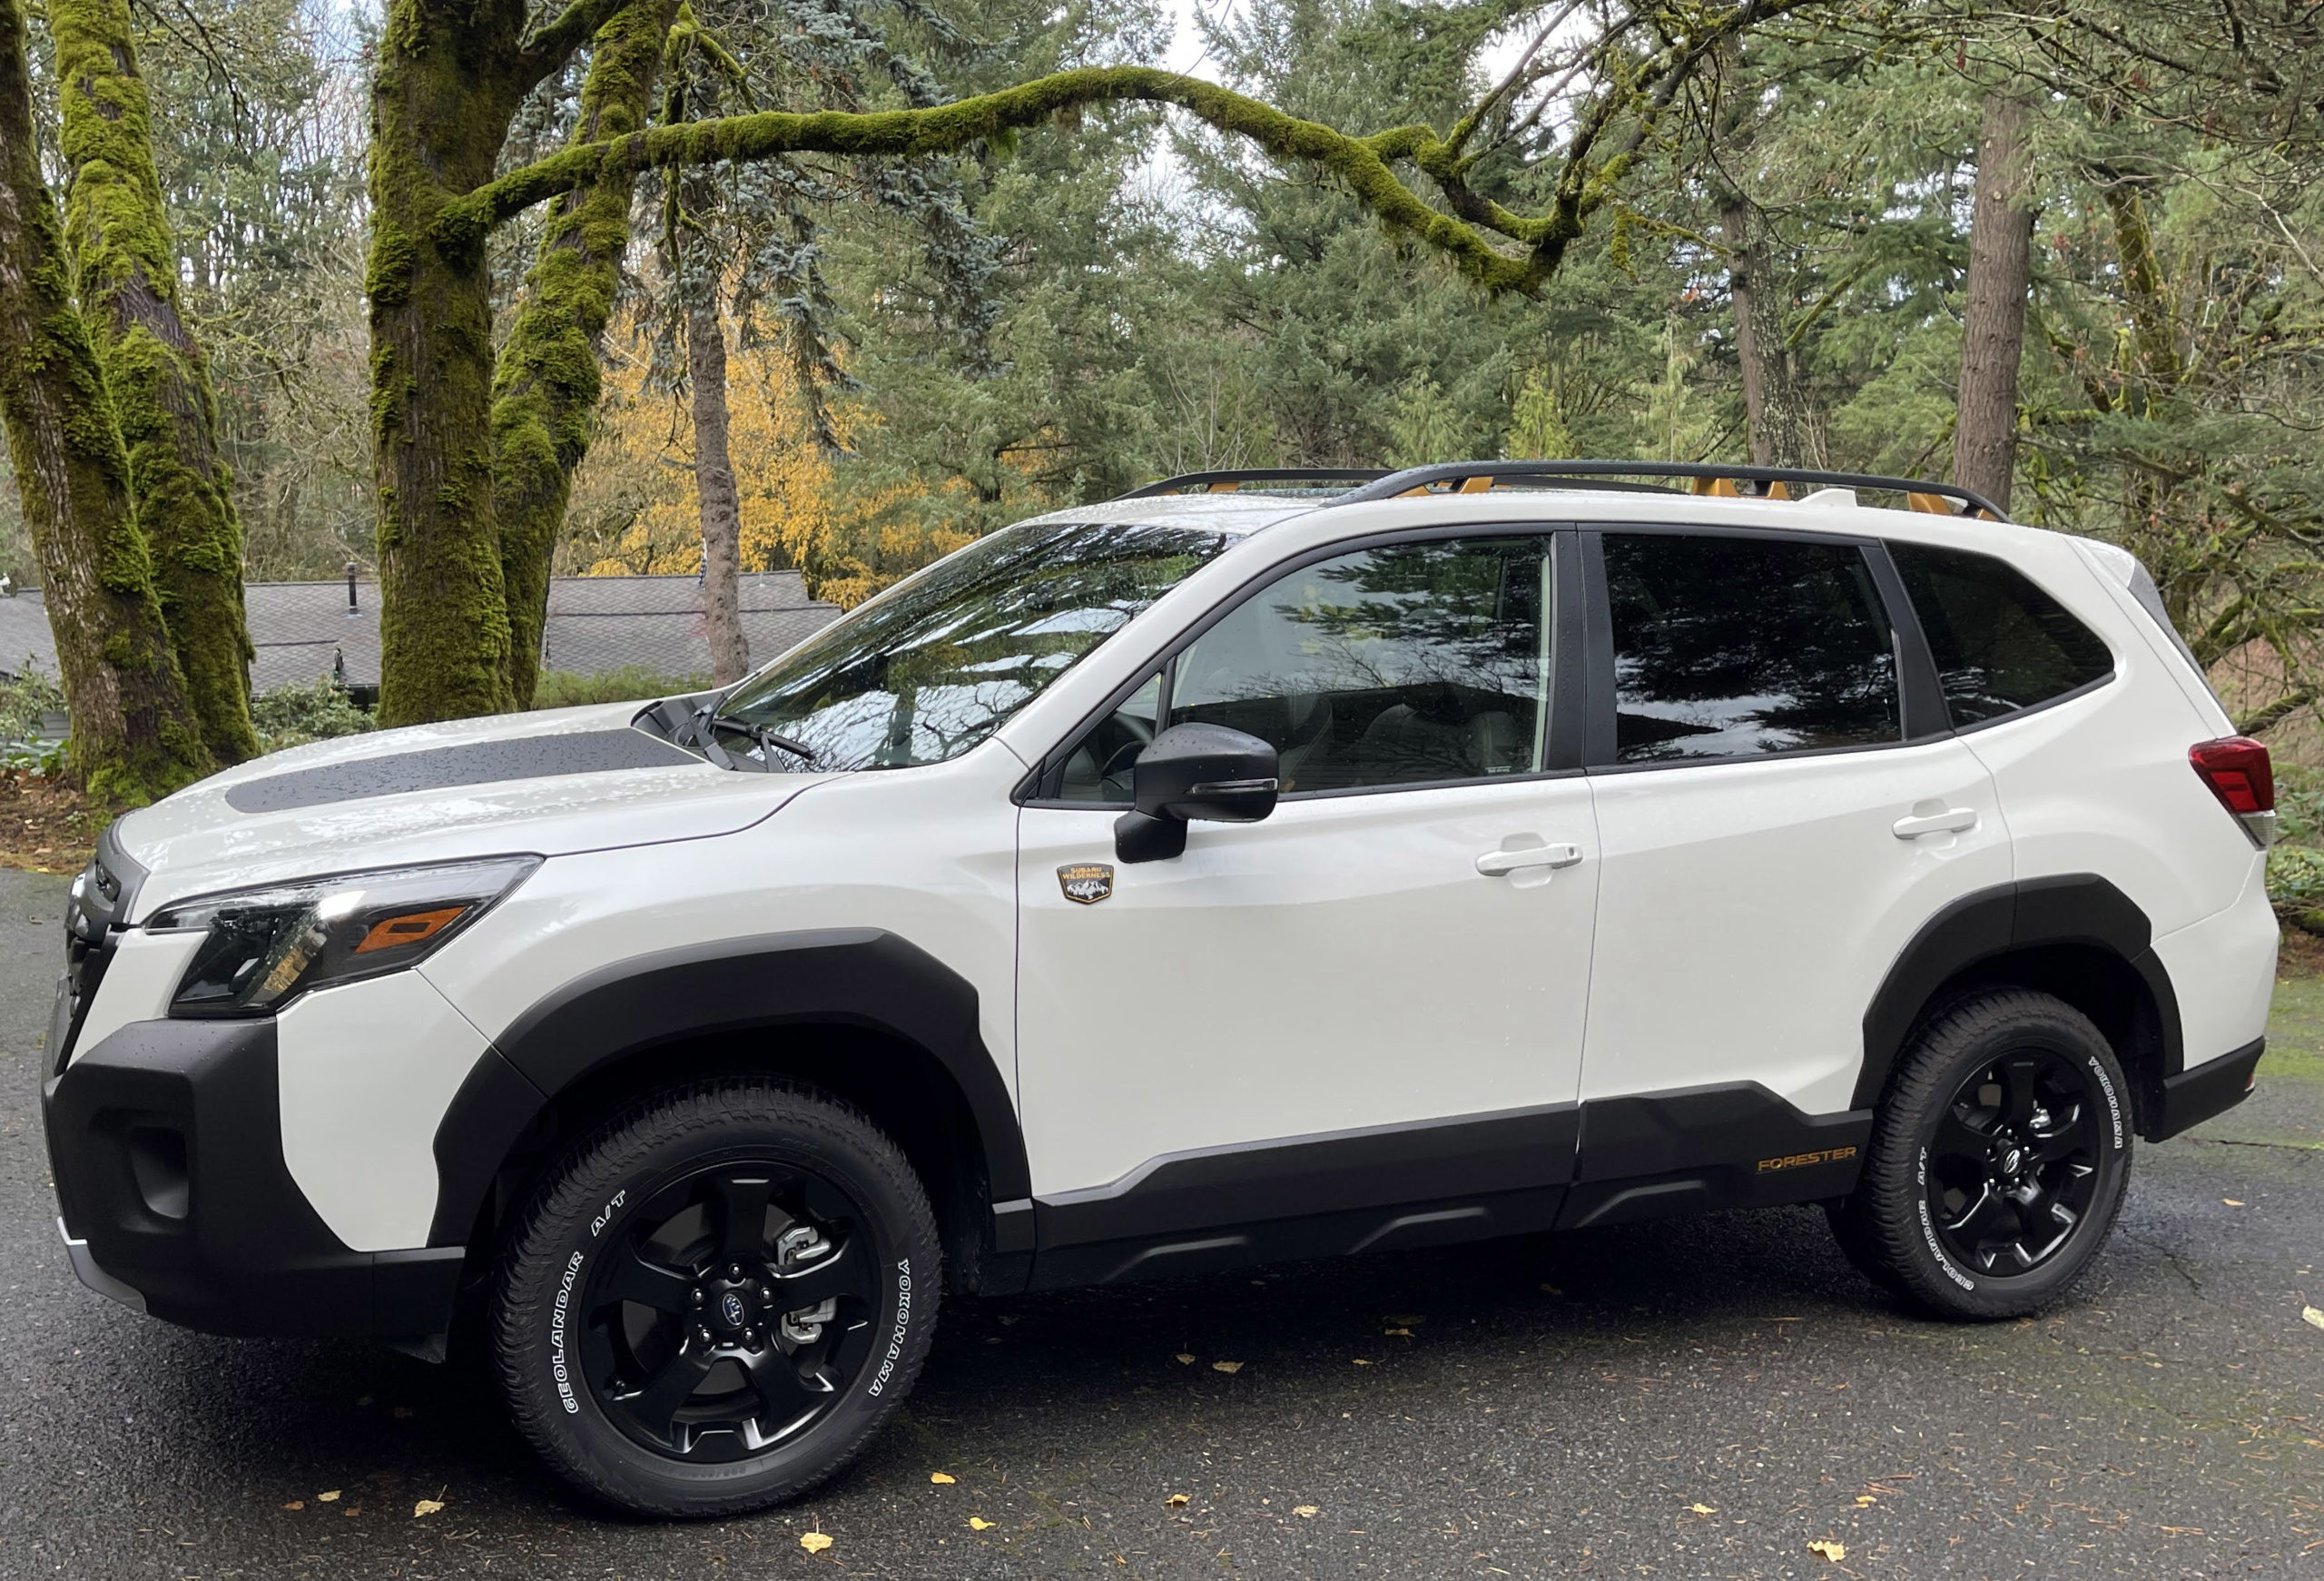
x: 697, y: 1297
x: 702, y: 1335
x: 733, y: 1270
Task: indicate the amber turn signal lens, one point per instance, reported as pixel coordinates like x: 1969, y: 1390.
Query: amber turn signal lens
x: 411, y: 928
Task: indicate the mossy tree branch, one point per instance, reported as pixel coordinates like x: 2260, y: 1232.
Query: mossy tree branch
x: 1639, y: 94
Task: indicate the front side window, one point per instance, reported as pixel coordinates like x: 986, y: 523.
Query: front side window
x: 2000, y: 644
x: 1403, y: 665
x: 929, y: 670
x: 1741, y: 647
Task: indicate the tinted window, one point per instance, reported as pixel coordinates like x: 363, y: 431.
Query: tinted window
x: 1734, y: 646
x: 2000, y: 642
x: 933, y: 667
x: 1393, y: 666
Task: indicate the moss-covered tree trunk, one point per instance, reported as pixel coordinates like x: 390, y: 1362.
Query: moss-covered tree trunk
x: 544, y: 394
x: 450, y: 77
x: 134, y: 735
x: 714, y: 484
x: 155, y: 373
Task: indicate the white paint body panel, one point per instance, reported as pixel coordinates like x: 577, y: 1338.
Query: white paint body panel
x: 138, y: 984
x: 1341, y: 964
x: 1749, y: 911
x: 366, y: 1072
x: 928, y: 854
x: 2223, y: 971
x: 195, y: 843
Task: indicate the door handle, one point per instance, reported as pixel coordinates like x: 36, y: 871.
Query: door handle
x: 1951, y: 820
x: 1497, y: 864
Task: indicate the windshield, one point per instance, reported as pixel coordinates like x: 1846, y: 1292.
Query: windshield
x: 933, y: 667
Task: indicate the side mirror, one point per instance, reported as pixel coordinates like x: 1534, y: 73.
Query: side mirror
x: 1193, y: 771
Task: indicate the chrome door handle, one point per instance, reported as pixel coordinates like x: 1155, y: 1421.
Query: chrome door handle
x: 1496, y: 863
x: 1952, y: 821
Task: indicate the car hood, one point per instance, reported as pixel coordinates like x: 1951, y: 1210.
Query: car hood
x: 575, y: 779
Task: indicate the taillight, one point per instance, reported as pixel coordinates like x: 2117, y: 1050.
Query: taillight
x: 2238, y: 770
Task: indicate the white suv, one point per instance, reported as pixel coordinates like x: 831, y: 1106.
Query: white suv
x: 1240, y: 870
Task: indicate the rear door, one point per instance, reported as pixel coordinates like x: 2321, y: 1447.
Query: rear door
x: 1774, y: 823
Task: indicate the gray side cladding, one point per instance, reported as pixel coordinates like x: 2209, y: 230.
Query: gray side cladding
x: 443, y: 767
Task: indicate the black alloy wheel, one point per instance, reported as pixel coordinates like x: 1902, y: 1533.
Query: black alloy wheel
x: 2000, y: 1154
x: 733, y: 1311
x: 2015, y: 1162
x: 713, y: 1301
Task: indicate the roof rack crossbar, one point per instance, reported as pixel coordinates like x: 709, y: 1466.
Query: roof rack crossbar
x: 1233, y: 477
x: 1389, y: 486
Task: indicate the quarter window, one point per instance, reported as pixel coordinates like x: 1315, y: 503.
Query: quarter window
x: 1739, y: 647
x: 1403, y: 665
x: 2000, y: 644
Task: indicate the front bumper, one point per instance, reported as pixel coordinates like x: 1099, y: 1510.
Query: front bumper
x: 167, y: 1147
x: 2212, y: 1088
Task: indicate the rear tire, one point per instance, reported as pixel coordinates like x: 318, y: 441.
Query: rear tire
x: 715, y: 1300
x: 1998, y: 1160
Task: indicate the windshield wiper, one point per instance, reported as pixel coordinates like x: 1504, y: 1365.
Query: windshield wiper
x: 707, y: 721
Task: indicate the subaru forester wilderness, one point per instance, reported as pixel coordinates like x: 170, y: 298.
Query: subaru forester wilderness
x: 1259, y: 866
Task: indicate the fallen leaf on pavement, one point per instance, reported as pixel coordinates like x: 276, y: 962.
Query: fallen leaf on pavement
x: 1305, y: 1511
x: 1176, y: 1501
x: 426, y: 1507
x: 1185, y: 1359
x: 1386, y: 1333
x: 2232, y: 1202
x: 1227, y: 1367
x: 327, y: 1497
x: 1831, y: 1550
x: 816, y: 1542
x: 976, y: 1523
x: 940, y: 1476
x: 1862, y: 1499
x: 296, y: 1504
x: 1702, y: 1509
x: 1363, y: 1360
x: 2310, y: 1315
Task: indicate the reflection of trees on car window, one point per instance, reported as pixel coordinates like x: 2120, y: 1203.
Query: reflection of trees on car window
x: 1400, y: 665
x: 933, y: 667
x: 1731, y: 646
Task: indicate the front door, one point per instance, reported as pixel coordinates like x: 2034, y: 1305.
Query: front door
x: 1363, y: 1013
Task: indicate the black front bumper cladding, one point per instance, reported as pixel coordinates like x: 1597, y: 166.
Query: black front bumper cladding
x: 167, y: 1146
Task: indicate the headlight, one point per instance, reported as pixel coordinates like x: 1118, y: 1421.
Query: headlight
x: 265, y: 946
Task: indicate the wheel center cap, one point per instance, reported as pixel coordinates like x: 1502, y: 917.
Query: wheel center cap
x: 731, y: 1310
x: 2011, y: 1163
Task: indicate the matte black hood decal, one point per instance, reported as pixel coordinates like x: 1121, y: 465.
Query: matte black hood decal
x: 443, y: 767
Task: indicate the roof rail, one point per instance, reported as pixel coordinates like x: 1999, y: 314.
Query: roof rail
x: 1707, y: 478
x: 1229, y: 481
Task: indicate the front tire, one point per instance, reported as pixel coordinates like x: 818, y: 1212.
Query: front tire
x: 714, y: 1301
x: 1998, y: 1160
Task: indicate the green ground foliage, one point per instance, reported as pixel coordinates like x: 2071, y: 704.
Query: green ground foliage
x: 630, y: 683
x: 317, y: 711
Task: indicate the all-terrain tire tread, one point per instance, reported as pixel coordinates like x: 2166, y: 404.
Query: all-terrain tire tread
x: 1877, y: 1225
x: 568, y: 1190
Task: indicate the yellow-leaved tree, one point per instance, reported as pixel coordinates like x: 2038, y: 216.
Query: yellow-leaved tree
x: 634, y: 513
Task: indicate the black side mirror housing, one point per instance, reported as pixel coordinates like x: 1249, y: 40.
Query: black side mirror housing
x: 1193, y: 771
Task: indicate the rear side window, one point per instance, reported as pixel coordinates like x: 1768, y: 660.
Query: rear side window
x: 1742, y: 647
x: 2000, y: 644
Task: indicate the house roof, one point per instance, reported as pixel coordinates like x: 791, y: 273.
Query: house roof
x: 596, y: 624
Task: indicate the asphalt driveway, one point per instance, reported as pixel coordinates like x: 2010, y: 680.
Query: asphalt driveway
x: 1698, y: 1399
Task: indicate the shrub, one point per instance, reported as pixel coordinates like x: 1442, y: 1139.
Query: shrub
x: 631, y: 683
x: 294, y: 715
x: 25, y: 740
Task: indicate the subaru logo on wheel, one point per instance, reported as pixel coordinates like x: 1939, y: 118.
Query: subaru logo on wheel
x: 729, y: 1307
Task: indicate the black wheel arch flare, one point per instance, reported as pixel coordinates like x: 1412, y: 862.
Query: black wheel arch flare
x: 2047, y: 925
x: 862, y: 978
